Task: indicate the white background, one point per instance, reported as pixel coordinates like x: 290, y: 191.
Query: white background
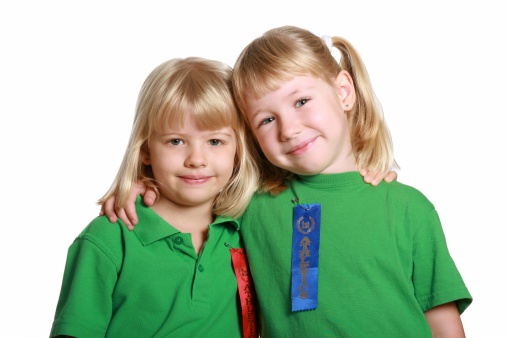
x: 70, y: 73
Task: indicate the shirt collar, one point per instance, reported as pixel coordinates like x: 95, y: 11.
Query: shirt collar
x: 151, y: 227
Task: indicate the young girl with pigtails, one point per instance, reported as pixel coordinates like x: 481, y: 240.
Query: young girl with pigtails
x: 332, y: 256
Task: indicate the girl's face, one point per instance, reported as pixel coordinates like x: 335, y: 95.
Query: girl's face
x: 302, y: 127
x: 191, y: 165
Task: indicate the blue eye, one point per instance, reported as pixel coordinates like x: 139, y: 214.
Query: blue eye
x: 215, y: 142
x: 301, y: 102
x: 175, y: 142
x: 268, y: 120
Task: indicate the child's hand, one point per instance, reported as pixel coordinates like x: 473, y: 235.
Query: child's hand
x: 374, y: 177
x: 128, y: 214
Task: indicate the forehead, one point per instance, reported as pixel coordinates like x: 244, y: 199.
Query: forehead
x: 201, y: 119
x: 298, y: 85
x: 192, y: 123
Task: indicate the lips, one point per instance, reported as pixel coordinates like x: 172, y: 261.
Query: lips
x: 302, y: 147
x: 195, y: 179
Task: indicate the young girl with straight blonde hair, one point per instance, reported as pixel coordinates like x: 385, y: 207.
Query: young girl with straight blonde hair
x: 181, y: 272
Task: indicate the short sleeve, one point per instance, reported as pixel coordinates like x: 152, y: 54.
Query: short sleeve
x: 436, y: 278
x: 85, y: 304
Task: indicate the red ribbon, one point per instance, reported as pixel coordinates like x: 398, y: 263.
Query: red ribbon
x: 246, y: 293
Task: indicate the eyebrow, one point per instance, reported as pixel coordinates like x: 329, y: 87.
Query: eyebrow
x: 285, y: 97
x: 221, y: 133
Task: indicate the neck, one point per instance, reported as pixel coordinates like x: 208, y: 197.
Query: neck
x: 184, y: 217
x: 187, y: 219
x: 345, y: 164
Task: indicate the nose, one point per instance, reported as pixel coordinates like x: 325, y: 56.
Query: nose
x: 289, y: 128
x: 196, y: 158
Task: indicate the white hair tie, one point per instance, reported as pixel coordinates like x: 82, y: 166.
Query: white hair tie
x: 328, y: 41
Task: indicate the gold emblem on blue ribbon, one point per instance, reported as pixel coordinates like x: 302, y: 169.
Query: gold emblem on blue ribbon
x: 305, y: 256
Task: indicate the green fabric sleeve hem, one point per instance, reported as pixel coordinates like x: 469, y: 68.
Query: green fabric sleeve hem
x: 73, y: 330
x: 461, y: 296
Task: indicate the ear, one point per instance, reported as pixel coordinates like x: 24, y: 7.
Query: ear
x: 346, y: 91
x: 145, y: 154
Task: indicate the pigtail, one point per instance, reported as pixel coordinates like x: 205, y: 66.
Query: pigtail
x: 371, y: 140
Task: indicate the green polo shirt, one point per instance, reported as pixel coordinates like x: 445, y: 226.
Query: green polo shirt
x: 149, y: 282
x: 383, y: 260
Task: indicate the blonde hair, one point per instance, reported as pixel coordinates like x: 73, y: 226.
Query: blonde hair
x: 282, y: 53
x: 177, y: 87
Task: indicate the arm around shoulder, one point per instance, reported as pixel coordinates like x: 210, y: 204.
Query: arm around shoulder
x: 128, y: 214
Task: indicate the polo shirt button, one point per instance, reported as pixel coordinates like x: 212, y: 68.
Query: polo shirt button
x: 178, y: 240
x: 201, y: 268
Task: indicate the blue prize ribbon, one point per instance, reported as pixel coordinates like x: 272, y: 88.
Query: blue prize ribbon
x: 305, y: 256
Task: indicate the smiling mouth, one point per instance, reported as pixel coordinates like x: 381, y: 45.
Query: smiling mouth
x: 302, y: 147
x: 192, y: 179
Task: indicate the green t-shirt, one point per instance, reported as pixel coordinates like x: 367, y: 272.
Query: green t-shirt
x: 149, y: 282
x: 383, y: 260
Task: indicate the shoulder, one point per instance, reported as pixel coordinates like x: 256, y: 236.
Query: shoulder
x: 101, y: 227
x: 401, y: 192
x: 102, y: 241
x: 401, y: 187
x: 104, y: 235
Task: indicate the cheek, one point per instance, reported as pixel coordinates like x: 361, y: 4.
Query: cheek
x: 270, y: 150
x: 224, y: 169
x: 263, y: 141
x: 163, y: 160
x: 225, y: 161
x: 158, y: 167
x: 268, y: 139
